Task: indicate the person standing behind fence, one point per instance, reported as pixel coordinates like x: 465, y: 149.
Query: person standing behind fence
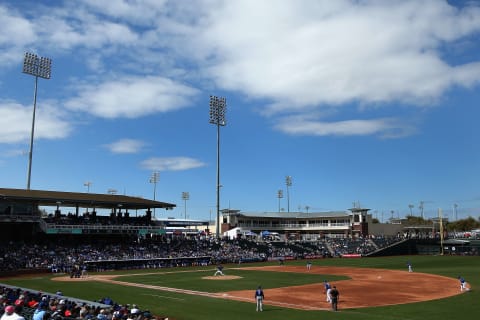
x: 259, y: 296
x: 334, y: 296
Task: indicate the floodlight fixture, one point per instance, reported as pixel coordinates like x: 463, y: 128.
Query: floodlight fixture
x: 218, y: 106
x: 37, y: 66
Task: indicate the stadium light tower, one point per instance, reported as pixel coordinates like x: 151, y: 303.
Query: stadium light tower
x: 37, y: 67
x: 87, y: 184
x: 421, y: 207
x: 288, y: 182
x: 218, y: 107
x: 411, y: 206
x: 185, y: 197
x: 154, y: 178
x: 279, y: 196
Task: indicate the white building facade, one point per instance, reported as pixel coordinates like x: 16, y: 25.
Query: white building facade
x: 300, y: 225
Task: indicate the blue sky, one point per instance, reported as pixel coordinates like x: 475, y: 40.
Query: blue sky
x: 374, y: 102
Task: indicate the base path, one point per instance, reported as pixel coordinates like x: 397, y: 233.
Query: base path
x: 366, y: 287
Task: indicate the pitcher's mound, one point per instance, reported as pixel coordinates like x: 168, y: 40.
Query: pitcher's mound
x: 221, y: 277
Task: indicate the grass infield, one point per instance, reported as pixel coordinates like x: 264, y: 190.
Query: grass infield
x: 184, y: 307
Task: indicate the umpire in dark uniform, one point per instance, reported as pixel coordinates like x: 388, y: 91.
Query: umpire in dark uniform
x: 334, y: 295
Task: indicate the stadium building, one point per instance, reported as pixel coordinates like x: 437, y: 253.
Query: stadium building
x: 298, y: 225
x: 23, y: 214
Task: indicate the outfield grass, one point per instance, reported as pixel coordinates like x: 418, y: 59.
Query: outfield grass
x: 185, y: 307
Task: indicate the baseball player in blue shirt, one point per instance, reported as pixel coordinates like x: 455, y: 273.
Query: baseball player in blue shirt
x: 259, y: 296
x: 328, y: 287
x: 409, y: 265
x: 463, y: 284
x: 219, y: 271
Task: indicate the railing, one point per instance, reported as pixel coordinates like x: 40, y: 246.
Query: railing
x: 18, y: 218
x: 99, y: 227
x: 293, y: 226
x: 50, y: 228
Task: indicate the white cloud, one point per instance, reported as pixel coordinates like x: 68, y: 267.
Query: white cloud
x: 15, y: 28
x: 303, y: 53
x: 132, y: 97
x: 16, y: 122
x: 15, y: 153
x: 172, y: 164
x: 90, y: 34
x: 386, y: 127
x: 17, y: 32
x: 126, y: 146
x: 138, y: 12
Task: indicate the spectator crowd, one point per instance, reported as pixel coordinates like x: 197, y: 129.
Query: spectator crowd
x: 170, y: 252
x: 20, y: 304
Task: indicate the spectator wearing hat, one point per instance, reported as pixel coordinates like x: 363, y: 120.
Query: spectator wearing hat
x: 11, y: 313
x: 135, y: 310
x: 40, y: 312
x: 102, y: 315
x: 20, y: 301
x: 32, y: 302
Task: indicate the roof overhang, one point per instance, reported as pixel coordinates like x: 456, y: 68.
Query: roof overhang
x: 74, y: 199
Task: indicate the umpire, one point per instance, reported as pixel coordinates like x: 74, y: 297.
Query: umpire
x: 334, y: 295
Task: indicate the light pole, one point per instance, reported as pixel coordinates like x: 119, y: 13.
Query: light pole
x: 87, y: 184
x: 185, y: 197
x: 288, y: 182
x: 421, y: 209
x: 37, y: 67
x: 280, y: 196
x: 154, y: 178
x: 218, y: 106
x: 411, y: 206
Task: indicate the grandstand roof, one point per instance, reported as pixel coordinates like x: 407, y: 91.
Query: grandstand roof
x: 292, y: 215
x: 80, y: 199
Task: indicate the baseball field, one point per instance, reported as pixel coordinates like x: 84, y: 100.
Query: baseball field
x: 370, y: 288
